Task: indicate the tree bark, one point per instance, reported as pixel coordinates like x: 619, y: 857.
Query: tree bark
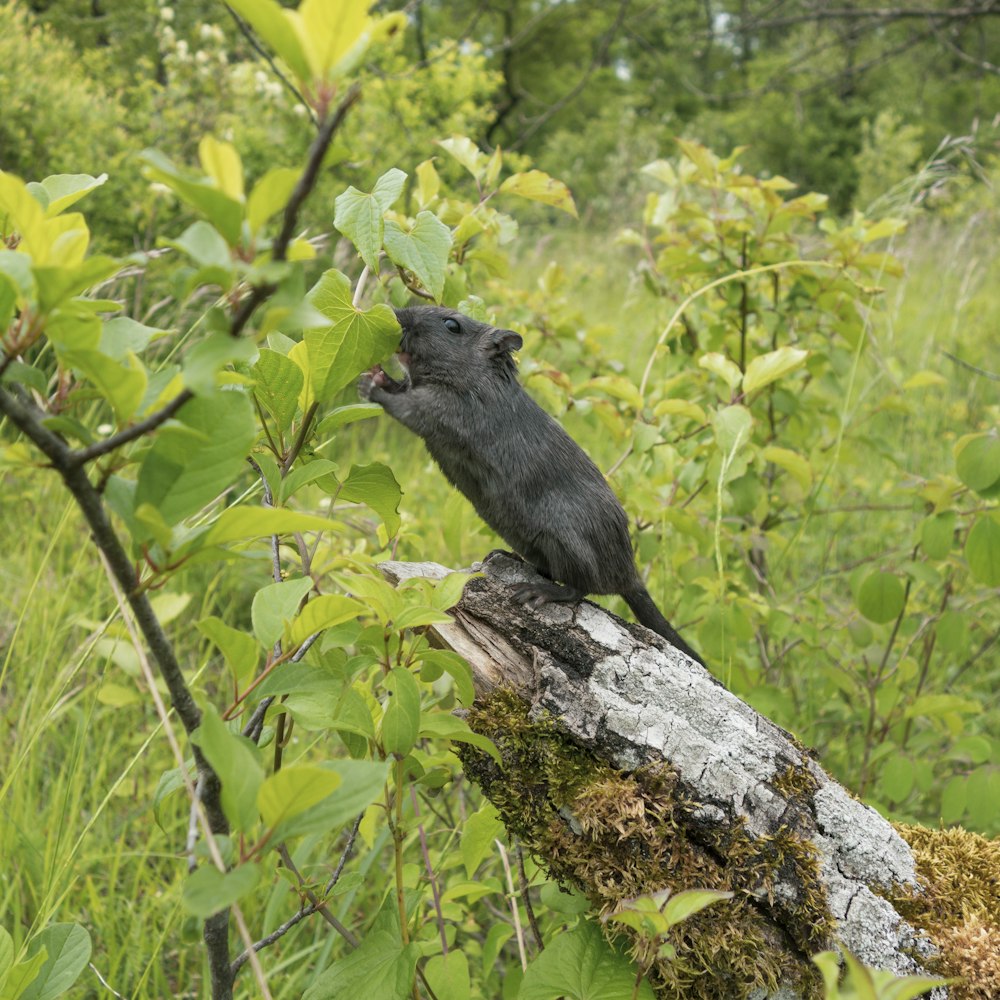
x: 749, y: 809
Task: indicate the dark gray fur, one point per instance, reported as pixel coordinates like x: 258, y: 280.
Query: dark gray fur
x: 526, y: 477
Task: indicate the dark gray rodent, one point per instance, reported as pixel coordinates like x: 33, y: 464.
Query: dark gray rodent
x: 526, y: 477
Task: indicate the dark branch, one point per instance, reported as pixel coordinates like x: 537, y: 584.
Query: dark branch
x: 131, y: 433
x: 317, y: 151
x: 304, y: 186
x: 27, y: 420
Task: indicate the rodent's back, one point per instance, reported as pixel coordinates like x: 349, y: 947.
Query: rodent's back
x: 534, y: 485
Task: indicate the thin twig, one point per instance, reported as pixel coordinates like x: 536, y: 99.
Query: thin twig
x: 268, y: 501
x: 431, y: 877
x: 972, y: 368
x: 522, y: 880
x: 138, y: 430
x: 335, y: 877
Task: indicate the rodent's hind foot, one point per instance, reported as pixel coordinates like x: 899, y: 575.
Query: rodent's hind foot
x: 534, y: 595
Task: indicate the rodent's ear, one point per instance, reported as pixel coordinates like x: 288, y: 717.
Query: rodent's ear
x: 503, y: 342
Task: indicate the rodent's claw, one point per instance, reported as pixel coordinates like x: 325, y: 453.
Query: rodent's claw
x: 369, y: 382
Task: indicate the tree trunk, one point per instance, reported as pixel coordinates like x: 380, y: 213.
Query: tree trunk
x: 628, y: 768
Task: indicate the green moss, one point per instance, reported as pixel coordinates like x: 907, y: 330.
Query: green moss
x: 958, y: 906
x: 796, y: 783
x: 616, y: 835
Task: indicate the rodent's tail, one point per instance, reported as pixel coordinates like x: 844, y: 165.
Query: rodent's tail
x: 649, y: 615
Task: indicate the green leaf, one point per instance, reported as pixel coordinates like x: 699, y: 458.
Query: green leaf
x: 416, y: 615
x: 687, y: 903
x: 355, y: 341
x: 207, y: 890
x: 292, y: 790
x: 401, y: 716
x: 456, y: 667
x: 223, y: 164
x: 381, y: 968
x: 375, y: 486
x: 190, y: 465
x: 359, y: 216
x: 210, y: 356
x: 239, y: 649
x: 8, y: 301
x: 448, y: 976
x: 977, y: 461
x: 58, y: 192
x: 270, y: 195
x: 881, y: 597
x: 122, y: 385
x: 268, y: 20
x: 466, y: 152
x: 952, y: 631
x: 205, y: 245
x: 766, y: 368
x: 442, y: 725
x: 897, y: 777
x: 732, y: 426
x: 931, y: 705
x: 479, y: 832
x: 953, y: 799
x: 275, y: 605
x: 555, y: 898
x: 303, y: 474
x: 423, y: 250
x: 937, y: 533
x: 225, y: 213
x: 16, y: 268
x: 792, y: 462
x: 237, y: 523
x: 321, y: 613
x: 234, y: 760
x: 538, y: 186
x: 58, y: 284
x: 67, y: 950
x: 341, y: 416
x: 982, y: 551
x: 6, y: 953
x: 361, y: 783
x: 719, y: 364
x: 581, y: 965
x: 278, y: 382
x: 21, y: 975
x: 122, y: 335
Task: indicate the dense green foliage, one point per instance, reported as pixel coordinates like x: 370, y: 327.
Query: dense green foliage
x: 812, y: 480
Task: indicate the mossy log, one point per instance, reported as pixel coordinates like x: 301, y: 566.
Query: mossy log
x: 629, y: 769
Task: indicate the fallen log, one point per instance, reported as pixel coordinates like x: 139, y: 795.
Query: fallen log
x: 628, y: 768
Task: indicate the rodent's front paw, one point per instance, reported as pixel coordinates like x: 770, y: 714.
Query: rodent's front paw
x: 371, y: 381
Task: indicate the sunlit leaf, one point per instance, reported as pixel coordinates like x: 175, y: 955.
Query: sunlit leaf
x: 536, y: 185
x: 423, y: 250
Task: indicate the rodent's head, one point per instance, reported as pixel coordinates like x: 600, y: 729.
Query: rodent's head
x: 444, y: 346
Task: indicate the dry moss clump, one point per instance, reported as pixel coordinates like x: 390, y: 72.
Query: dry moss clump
x: 616, y: 835
x: 959, y: 907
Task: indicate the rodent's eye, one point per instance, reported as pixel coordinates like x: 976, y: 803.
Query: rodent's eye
x: 452, y: 325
